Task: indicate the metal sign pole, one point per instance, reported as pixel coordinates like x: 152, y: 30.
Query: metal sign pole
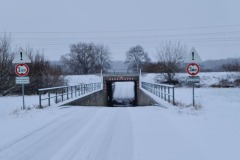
x: 193, y: 95
x: 23, y: 96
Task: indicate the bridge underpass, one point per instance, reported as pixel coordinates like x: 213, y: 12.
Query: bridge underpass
x: 121, y: 90
x: 110, y: 96
x: 124, y: 94
x: 113, y: 91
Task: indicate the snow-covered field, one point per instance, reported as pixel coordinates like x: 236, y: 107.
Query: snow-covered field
x: 80, y: 79
x: 206, y: 78
x: 129, y: 133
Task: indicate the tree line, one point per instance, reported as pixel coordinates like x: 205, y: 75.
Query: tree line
x: 85, y: 58
x: 90, y: 58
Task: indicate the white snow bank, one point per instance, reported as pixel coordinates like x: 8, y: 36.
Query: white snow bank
x: 9, y: 104
x: 178, y: 134
x: 83, y: 79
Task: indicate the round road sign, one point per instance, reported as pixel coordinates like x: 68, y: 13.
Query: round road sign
x: 193, y: 69
x: 21, y: 69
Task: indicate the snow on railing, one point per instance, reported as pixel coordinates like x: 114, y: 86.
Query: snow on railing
x: 163, y: 91
x: 60, y: 94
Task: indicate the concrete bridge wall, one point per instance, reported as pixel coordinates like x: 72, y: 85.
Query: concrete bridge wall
x: 144, y: 99
x: 100, y: 99
x: 94, y: 99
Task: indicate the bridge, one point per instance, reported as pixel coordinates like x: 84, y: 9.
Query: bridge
x: 102, y: 93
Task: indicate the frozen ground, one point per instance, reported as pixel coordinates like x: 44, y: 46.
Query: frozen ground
x: 13, y: 104
x: 206, y: 78
x: 80, y: 79
x: 129, y: 133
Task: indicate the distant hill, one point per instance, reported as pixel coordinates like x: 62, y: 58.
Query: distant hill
x: 115, y: 65
x: 213, y: 65
x: 216, y: 64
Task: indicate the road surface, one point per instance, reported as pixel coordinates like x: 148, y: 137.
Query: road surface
x: 125, y: 133
x: 83, y: 134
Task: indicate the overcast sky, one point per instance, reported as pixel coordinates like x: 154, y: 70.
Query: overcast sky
x: 212, y: 27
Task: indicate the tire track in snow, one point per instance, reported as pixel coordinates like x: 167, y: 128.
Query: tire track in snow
x: 81, y: 146
x: 3, y: 147
x: 108, y: 136
x: 42, y: 143
x: 100, y: 133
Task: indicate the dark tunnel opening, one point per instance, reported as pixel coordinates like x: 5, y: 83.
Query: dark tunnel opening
x: 121, y: 93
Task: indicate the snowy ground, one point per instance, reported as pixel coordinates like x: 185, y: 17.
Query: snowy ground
x: 206, y: 78
x: 125, y: 133
x: 120, y: 90
x: 13, y: 104
x: 82, y: 79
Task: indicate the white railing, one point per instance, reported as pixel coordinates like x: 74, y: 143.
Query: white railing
x: 163, y: 91
x: 60, y: 94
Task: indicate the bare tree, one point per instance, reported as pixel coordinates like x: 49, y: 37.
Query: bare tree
x: 170, y: 55
x: 81, y: 58
x: 84, y: 58
x: 104, y: 59
x: 136, y: 57
x: 6, y: 55
x: 7, y: 75
x: 42, y: 72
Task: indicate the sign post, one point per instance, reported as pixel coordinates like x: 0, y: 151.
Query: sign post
x: 23, y: 97
x: 22, y: 70
x: 193, y: 69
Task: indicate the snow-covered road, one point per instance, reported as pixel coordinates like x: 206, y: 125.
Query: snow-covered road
x: 129, y: 133
x: 84, y: 133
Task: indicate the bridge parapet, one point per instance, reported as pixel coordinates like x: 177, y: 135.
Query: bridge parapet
x: 120, y: 72
x: 65, y: 93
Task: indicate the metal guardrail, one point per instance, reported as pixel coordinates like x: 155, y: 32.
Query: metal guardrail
x: 163, y: 91
x: 66, y: 92
x: 119, y: 72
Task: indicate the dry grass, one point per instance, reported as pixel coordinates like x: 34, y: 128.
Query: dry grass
x: 183, y: 105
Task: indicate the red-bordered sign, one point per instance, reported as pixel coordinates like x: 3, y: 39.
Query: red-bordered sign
x: 21, y: 69
x: 193, y: 69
